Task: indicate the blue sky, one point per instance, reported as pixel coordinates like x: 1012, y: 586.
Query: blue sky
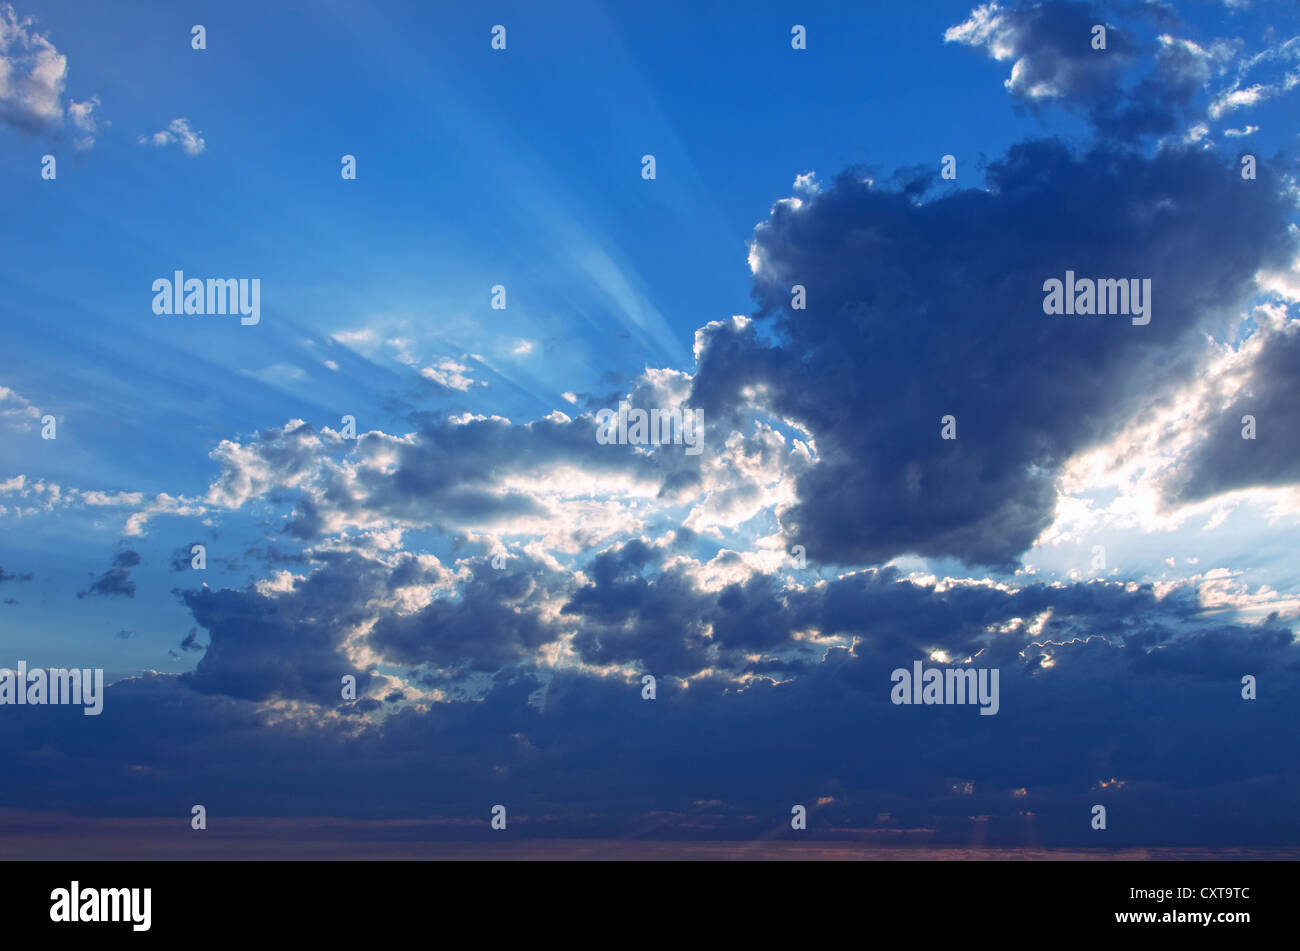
x: 522, y: 168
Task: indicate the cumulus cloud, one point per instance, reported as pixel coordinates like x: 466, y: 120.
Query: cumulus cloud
x: 883, y: 350
x: 178, y: 132
x: 117, y: 579
x: 285, y: 641
x: 1049, y: 46
x: 451, y: 374
x: 1148, y: 81
x: 511, y: 602
x: 469, y: 472
x: 33, y: 74
x: 82, y: 116
x: 1223, y: 461
x: 16, y: 412
x: 1087, y: 696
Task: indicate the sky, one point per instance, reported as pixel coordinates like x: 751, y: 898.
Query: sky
x: 396, y: 473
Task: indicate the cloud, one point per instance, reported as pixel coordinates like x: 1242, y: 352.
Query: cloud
x: 81, y: 114
x: 161, y: 504
x: 285, y: 641
x: 499, y: 588
x: 510, y: 602
x: 1050, y: 48
x: 1087, y: 696
x: 885, y: 347
x: 16, y: 412
x: 447, y: 372
x: 178, y: 132
x: 467, y: 472
x: 277, y: 374
x: 117, y: 579
x: 1166, y: 96
x: 182, y: 559
x: 42, y: 496
x: 1223, y: 461
x: 1054, y: 62
x: 33, y: 74
x: 10, y: 576
x: 351, y: 338
x: 1277, y: 65
x: 1237, y: 99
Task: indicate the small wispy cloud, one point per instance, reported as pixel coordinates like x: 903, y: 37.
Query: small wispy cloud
x: 82, y: 116
x: 178, y: 132
x: 277, y: 373
x: 450, y: 374
x: 16, y: 411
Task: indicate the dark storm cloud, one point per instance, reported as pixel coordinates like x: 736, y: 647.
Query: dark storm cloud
x: 1050, y: 47
x: 1162, y: 100
x: 159, y: 747
x: 1223, y: 460
x: 117, y: 579
x: 1094, y: 715
x: 659, y: 622
x: 1197, y: 763
x: 916, y: 311
x: 630, y: 614
x: 285, y: 644
x: 496, y: 621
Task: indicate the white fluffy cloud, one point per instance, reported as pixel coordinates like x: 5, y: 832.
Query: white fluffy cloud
x: 16, y: 411
x: 178, y: 132
x: 451, y: 374
x: 33, y: 74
